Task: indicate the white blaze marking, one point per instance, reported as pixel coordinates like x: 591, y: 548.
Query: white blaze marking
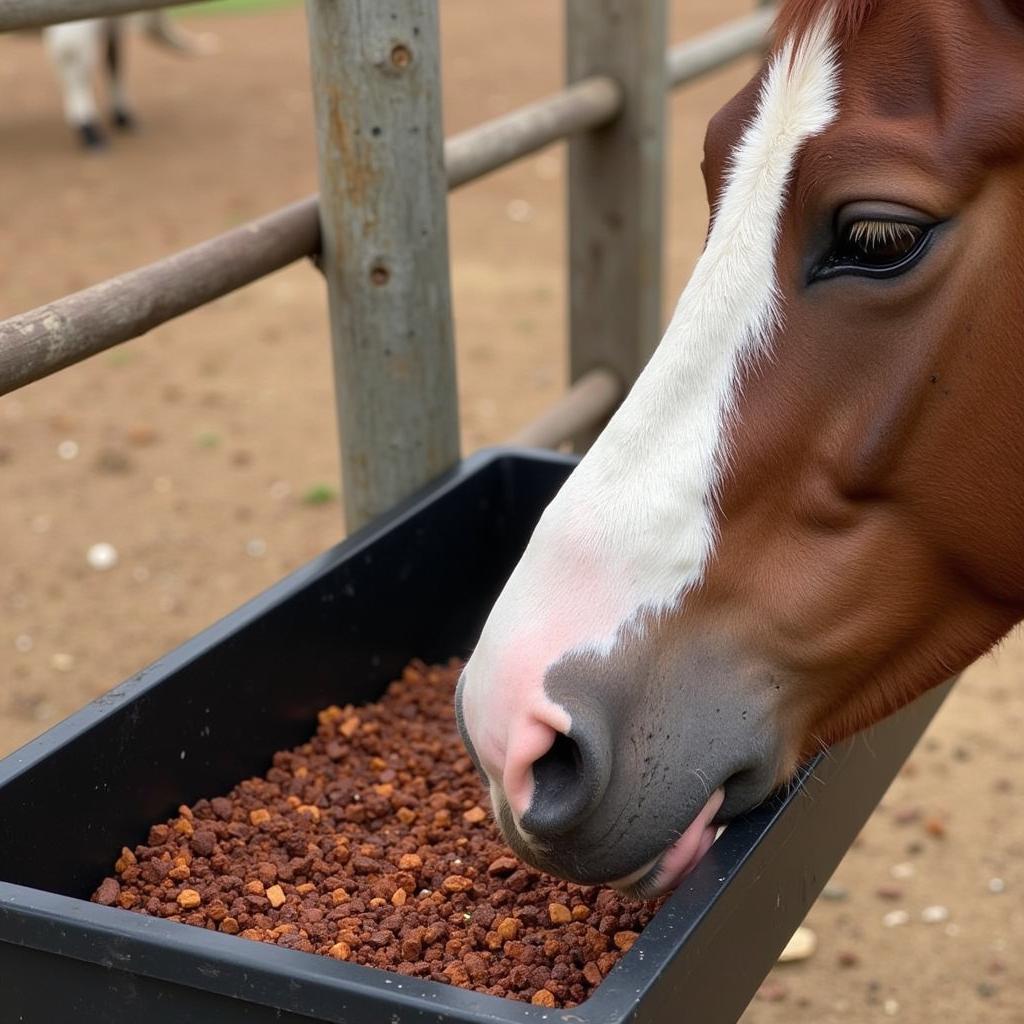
x: 633, y: 528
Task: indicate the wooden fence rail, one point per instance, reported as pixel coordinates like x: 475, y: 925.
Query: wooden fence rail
x: 63, y: 332
x: 378, y: 229
x: 16, y: 15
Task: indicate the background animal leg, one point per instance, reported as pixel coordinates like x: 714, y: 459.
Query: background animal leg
x: 74, y: 47
x: 121, y: 112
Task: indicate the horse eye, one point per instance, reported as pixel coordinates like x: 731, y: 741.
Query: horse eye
x: 879, y: 243
x: 874, y: 248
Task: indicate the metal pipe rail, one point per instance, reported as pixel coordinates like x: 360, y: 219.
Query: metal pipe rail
x: 16, y: 15
x: 61, y: 333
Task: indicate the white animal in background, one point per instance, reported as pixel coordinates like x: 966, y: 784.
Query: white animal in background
x: 77, y: 49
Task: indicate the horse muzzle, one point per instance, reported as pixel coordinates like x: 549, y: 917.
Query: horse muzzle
x: 653, y: 762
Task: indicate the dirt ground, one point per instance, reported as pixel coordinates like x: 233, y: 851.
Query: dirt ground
x: 205, y: 453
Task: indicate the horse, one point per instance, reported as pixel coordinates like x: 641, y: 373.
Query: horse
x: 76, y: 48
x: 809, y: 509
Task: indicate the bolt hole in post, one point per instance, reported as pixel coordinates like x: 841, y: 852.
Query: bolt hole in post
x: 383, y: 215
x: 401, y: 56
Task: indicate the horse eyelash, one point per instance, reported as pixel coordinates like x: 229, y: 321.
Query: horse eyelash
x: 872, y: 233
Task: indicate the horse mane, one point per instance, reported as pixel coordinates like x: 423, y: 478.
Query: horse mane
x: 797, y: 17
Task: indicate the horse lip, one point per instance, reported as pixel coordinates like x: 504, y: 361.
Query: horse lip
x: 678, y: 859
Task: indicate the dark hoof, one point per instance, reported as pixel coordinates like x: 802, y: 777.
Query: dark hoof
x: 92, y: 136
x: 125, y: 121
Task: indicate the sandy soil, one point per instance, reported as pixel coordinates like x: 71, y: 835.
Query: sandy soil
x: 200, y: 450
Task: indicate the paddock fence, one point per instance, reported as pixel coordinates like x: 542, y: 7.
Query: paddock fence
x: 378, y: 228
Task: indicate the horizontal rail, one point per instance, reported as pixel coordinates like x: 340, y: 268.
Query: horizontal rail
x: 21, y: 14
x: 493, y: 144
x: 67, y: 330
x: 584, y: 407
x: 719, y: 46
x: 77, y: 326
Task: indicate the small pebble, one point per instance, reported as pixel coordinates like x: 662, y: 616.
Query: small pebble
x: 113, y: 461
x: 801, y: 946
x: 847, y: 958
x: 935, y: 914
x: 102, y: 556
x: 772, y: 991
x: 141, y: 435
x: 935, y: 827
x: 907, y: 816
x: 62, y: 661
x: 835, y: 893
x: 895, y: 918
x: 904, y: 870
x: 889, y: 892
x: 275, y: 896
x: 891, y: 1007
x: 67, y: 450
x: 519, y: 211
x: 256, y: 548
x: 996, y: 885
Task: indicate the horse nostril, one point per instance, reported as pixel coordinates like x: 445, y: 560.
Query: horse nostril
x: 559, y: 770
x: 568, y: 781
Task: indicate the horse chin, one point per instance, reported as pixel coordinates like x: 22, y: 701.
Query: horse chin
x: 660, y: 871
x: 665, y: 872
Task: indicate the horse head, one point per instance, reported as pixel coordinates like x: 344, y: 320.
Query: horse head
x: 810, y: 507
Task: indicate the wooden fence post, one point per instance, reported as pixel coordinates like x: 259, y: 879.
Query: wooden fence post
x: 383, y: 208
x: 615, y: 190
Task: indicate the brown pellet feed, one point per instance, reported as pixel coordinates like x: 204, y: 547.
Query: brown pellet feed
x: 372, y: 843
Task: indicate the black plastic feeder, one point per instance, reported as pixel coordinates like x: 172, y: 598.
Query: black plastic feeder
x: 417, y: 583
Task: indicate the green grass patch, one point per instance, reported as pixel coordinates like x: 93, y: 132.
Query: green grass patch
x: 319, y: 494
x: 233, y: 6
x: 208, y: 439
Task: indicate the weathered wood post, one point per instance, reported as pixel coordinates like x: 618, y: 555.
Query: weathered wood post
x: 615, y: 190
x: 383, y: 208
